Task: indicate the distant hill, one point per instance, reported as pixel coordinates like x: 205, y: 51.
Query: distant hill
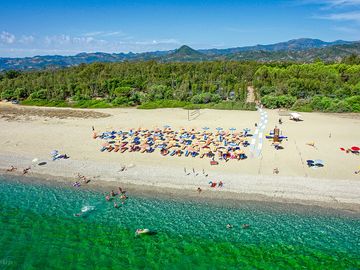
x: 184, y: 54
x: 299, y: 50
x: 291, y: 45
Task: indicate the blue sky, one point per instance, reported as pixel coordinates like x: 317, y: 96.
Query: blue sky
x: 33, y: 27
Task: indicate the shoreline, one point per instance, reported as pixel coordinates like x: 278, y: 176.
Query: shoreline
x: 214, y: 197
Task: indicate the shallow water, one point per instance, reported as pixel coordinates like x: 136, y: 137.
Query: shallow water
x: 39, y: 231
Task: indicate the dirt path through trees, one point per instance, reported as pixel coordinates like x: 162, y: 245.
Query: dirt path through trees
x: 250, y: 94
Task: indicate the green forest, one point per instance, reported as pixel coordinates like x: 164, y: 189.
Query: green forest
x: 219, y: 84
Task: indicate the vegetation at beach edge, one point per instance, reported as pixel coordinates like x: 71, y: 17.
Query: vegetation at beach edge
x: 318, y: 86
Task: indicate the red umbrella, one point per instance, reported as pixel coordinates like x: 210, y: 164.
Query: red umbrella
x: 355, y: 148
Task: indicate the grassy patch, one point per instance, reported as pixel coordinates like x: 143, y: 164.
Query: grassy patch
x: 163, y: 104
x: 45, y: 103
x: 224, y: 105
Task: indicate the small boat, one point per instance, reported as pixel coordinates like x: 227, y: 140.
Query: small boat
x: 139, y: 232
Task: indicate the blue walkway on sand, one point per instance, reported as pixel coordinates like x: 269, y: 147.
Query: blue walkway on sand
x: 257, y: 139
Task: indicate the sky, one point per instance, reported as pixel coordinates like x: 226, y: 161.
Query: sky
x: 65, y: 27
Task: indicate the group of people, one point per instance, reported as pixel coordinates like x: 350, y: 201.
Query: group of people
x: 82, y: 178
x: 112, y: 195
x: 13, y: 169
x: 223, y: 145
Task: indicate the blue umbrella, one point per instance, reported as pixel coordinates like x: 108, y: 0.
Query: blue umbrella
x: 246, y: 129
x: 233, y: 144
x: 232, y: 129
x: 205, y: 128
x: 166, y: 126
x: 219, y: 128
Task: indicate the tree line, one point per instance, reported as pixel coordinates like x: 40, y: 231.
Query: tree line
x: 219, y: 84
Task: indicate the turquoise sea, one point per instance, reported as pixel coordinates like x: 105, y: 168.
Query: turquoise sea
x: 38, y: 230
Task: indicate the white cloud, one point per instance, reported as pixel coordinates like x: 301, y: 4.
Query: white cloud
x: 342, y: 16
x: 105, y: 34
x: 110, y: 42
x: 341, y: 3
x: 333, y: 3
x: 26, y: 39
x: 7, y: 38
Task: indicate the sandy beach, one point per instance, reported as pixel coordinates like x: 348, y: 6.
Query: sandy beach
x: 28, y: 133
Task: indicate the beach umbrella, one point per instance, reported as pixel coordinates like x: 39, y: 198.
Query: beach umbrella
x: 355, y: 148
x: 309, y: 161
x: 233, y: 144
x: 54, y: 152
x: 219, y: 128
x: 232, y: 129
x: 205, y: 128
x: 166, y: 126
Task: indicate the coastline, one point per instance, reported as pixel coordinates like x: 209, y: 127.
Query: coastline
x: 36, y: 133
x: 225, y: 196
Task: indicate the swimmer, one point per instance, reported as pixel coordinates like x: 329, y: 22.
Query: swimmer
x: 12, y: 168
x: 26, y: 170
x: 78, y: 214
x: 246, y: 226
x: 123, y: 196
x: 113, y: 194
x: 122, y: 191
x: 116, y: 205
x: 107, y: 198
x: 229, y: 226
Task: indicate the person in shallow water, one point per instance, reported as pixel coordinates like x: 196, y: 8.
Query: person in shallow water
x: 246, y: 226
x: 12, y: 168
x: 122, y: 191
x: 229, y: 226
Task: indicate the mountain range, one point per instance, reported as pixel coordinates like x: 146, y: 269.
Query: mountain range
x: 297, y: 50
